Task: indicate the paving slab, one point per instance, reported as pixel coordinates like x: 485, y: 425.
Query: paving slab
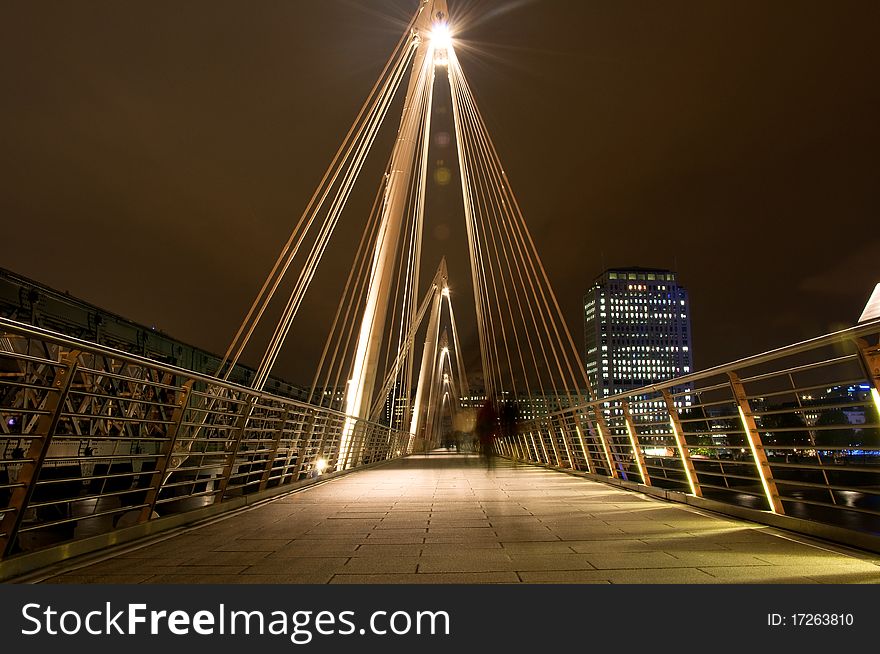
x: 437, y: 578
x: 100, y: 579
x: 227, y: 558
x: 446, y: 549
x: 675, y: 576
x: 308, y: 578
x: 380, y: 564
x: 267, y: 545
x: 297, y: 565
x: 299, y: 549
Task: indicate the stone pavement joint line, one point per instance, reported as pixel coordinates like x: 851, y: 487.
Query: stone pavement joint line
x: 445, y: 518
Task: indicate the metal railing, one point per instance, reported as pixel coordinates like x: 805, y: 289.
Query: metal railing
x: 795, y: 431
x: 93, y: 439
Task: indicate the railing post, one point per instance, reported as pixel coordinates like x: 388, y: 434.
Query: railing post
x: 381, y: 443
x: 384, y: 449
x: 588, y: 459
x: 522, y: 447
x: 812, y: 434
x: 240, y: 428
x: 549, y: 426
x: 755, y: 444
x: 394, y: 439
x: 602, y: 430
x: 686, y: 463
x: 638, y: 455
x: 353, y: 440
x: 566, y: 442
x: 402, y: 443
x: 39, y: 448
x: 323, y: 442
x: 360, y: 454
x: 166, y: 453
x: 391, y: 439
x: 271, y: 462
x: 870, y: 358
x: 546, y: 458
x: 367, y: 444
x: 303, y: 442
x: 388, y: 435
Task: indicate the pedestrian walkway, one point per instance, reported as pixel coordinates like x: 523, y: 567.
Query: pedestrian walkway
x: 445, y: 518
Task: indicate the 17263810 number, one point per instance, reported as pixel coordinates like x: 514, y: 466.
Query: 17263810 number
x: 810, y: 620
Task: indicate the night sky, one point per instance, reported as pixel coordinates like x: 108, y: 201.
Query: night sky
x: 155, y: 155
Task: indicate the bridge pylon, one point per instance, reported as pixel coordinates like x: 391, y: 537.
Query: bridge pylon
x: 359, y: 392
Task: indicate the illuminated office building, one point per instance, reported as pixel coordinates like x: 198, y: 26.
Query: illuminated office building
x: 636, y: 330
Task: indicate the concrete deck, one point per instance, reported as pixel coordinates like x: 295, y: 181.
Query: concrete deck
x: 447, y: 519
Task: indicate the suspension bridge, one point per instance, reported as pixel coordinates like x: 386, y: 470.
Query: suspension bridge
x: 121, y: 468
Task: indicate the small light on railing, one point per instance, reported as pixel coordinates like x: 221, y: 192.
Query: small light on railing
x: 398, y: 452
x: 320, y: 465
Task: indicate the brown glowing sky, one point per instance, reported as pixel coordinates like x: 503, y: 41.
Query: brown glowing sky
x: 156, y: 154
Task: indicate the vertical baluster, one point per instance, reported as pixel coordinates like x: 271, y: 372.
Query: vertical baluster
x: 686, y: 463
x: 755, y: 445
x: 166, y: 453
x: 638, y: 455
x: 40, y: 442
x: 270, y: 464
x: 239, y: 431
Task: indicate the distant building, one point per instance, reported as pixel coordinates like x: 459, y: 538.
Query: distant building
x: 397, y: 412
x: 636, y: 330
x: 853, y: 401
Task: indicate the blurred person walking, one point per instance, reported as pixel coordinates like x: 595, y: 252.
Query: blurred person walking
x: 486, y: 429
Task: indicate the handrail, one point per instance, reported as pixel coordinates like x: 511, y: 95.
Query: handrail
x: 21, y: 328
x: 848, y: 334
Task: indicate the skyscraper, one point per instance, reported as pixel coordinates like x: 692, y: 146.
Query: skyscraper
x: 636, y: 330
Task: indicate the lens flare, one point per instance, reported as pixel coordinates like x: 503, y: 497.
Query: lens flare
x: 441, y: 36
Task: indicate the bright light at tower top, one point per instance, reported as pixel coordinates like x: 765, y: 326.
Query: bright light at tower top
x: 441, y: 36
